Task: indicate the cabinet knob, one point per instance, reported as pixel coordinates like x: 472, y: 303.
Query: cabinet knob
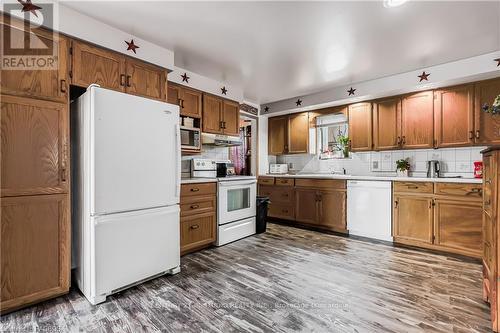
x: 195, y: 206
x: 128, y: 80
x: 195, y: 189
x: 122, y: 80
x: 63, y: 86
x: 194, y: 226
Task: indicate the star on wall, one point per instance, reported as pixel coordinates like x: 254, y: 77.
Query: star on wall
x: 266, y: 109
x: 29, y: 7
x: 299, y: 102
x: 498, y: 61
x: 223, y: 90
x: 185, y: 78
x: 131, y: 46
x: 424, y: 76
x: 351, y: 91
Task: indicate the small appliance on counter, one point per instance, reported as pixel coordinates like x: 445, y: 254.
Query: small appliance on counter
x: 478, y: 169
x: 278, y: 168
x: 433, y: 169
x: 190, y: 138
x: 203, y: 168
x: 225, y: 169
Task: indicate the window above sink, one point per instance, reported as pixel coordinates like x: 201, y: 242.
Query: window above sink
x: 330, y: 129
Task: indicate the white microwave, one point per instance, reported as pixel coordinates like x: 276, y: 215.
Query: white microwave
x: 190, y: 138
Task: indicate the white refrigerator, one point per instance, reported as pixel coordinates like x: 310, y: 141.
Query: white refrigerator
x: 125, y: 190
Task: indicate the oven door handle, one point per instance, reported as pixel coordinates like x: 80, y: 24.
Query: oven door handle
x: 237, y: 183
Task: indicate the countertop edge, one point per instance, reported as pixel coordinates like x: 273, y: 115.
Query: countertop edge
x: 380, y: 178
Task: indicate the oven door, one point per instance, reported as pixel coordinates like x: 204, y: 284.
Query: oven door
x: 236, y: 200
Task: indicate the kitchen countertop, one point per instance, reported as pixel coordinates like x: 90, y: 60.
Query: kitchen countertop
x: 198, y: 180
x: 388, y: 178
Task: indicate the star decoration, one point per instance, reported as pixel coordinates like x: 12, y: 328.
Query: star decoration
x: 424, y: 76
x: 131, y: 46
x: 351, y: 91
x: 266, y: 109
x: 497, y: 60
x: 299, y: 102
x: 223, y: 90
x: 185, y: 78
x: 29, y: 7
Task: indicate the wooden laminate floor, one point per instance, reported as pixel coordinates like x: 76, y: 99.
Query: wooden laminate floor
x: 286, y: 280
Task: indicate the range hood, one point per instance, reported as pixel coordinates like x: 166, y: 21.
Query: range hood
x: 220, y: 140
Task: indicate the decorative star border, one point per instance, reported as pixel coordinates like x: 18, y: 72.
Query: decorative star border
x: 298, y: 102
x: 223, y: 90
x: 28, y: 6
x: 131, y: 46
x: 498, y: 61
x: 185, y: 77
x: 351, y: 91
x: 266, y: 109
x: 424, y: 76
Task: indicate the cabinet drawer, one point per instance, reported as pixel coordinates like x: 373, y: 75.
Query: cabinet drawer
x: 413, y: 187
x: 266, y: 180
x: 470, y: 191
x: 286, y: 212
x: 198, y: 189
x: 197, y: 231
x: 321, y: 183
x: 285, y: 181
x: 282, y: 195
x: 197, y: 204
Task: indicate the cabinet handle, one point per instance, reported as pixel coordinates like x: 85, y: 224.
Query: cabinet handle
x: 182, y: 103
x: 284, y: 210
x: 412, y: 187
x: 430, y: 204
x: 403, y: 140
x: 63, y: 174
x: 194, y: 189
x: 475, y: 190
x: 128, y: 80
x: 194, y: 226
x: 194, y: 206
x: 64, y: 160
x: 478, y: 134
x: 471, y: 135
x: 487, y: 202
x: 63, y: 86
x: 488, y: 181
x: 398, y: 143
x: 122, y: 80
x: 396, y: 204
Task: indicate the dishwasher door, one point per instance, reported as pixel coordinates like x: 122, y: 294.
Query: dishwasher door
x: 369, y: 209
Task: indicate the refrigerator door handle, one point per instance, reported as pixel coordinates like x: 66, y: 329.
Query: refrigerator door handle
x: 178, y: 161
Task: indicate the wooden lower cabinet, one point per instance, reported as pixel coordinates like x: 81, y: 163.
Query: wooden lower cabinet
x: 35, y: 249
x: 306, y: 205
x: 440, y: 216
x: 282, y: 200
x: 332, y: 210
x: 198, y: 216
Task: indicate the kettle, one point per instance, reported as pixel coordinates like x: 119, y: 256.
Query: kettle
x: 433, y: 169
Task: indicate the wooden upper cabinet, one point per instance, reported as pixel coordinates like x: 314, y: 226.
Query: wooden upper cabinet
x: 231, y: 117
x: 277, y: 135
x: 190, y: 102
x: 360, y: 126
x: 212, y: 115
x: 173, y: 94
x: 387, y: 124
x: 458, y: 225
x: 332, y: 210
x: 35, y: 249
x: 91, y: 64
x: 49, y: 84
x: 417, y: 120
x: 146, y: 80
x: 298, y: 133
x: 413, y: 219
x: 486, y: 126
x: 454, y: 116
x: 34, y: 145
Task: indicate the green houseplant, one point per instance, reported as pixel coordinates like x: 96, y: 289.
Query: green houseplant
x: 343, y: 141
x: 402, y: 167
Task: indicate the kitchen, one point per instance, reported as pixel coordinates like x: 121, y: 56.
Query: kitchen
x: 130, y: 177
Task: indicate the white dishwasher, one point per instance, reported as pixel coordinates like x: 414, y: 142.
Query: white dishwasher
x: 369, y: 209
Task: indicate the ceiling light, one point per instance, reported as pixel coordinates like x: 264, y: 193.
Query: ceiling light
x: 393, y: 3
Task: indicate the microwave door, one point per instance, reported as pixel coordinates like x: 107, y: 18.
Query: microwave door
x: 190, y: 138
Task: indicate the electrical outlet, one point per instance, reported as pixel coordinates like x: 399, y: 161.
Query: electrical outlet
x: 375, y: 165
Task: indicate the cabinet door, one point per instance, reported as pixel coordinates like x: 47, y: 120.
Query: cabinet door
x: 197, y: 231
x: 360, y: 126
x: 386, y: 124
x: 413, y: 219
x: 231, y: 117
x: 298, y: 133
x: 487, y: 126
x: 191, y: 102
x: 44, y: 83
x: 212, y: 114
x: 332, y: 208
x: 417, y: 120
x: 91, y: 64
x: 146, y: 80
x: 306, y: 205
x: 34, y: 145
x: 458, y: 226
x: 35, y: 249
x: 277, y: 134
x: 453, y: 116
x: 173, y: 94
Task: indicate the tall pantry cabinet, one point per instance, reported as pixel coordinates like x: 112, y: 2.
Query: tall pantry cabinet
x: 35, y: 177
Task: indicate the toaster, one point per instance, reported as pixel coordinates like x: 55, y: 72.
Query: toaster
x: 278, y: 168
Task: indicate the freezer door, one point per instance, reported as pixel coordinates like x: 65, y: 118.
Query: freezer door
x: 135, y: 152
x: 130, y: 247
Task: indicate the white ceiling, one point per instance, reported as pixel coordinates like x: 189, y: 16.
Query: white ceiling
x: 278, y: 50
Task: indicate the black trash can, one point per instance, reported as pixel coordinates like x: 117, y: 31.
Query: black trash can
x: 261, y: 218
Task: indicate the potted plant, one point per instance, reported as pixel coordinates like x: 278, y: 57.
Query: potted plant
x: 402, y: 167
x: 343, y: 141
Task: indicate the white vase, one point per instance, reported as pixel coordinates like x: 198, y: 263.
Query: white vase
x: 401, y: 173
